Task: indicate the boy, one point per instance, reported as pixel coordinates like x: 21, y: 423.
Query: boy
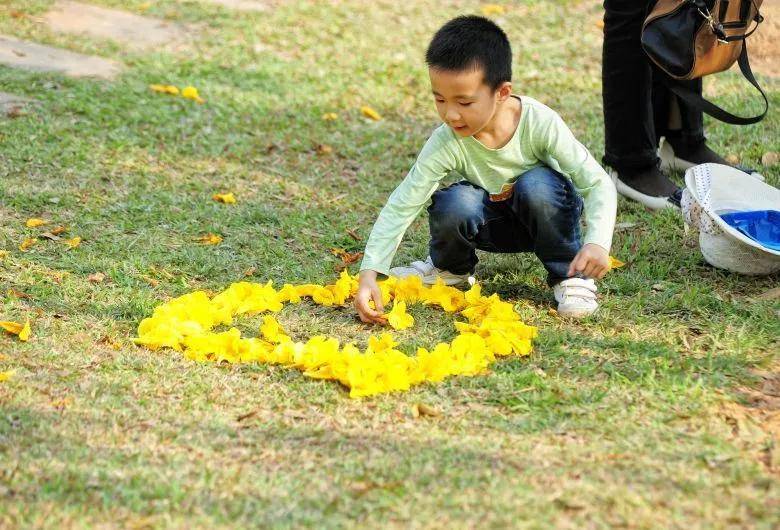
x: 526, y: 177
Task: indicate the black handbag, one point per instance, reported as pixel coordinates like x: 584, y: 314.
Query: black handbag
x: 688, y: 39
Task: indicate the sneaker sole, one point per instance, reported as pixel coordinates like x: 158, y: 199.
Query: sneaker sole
x: 669, y: 162
x: 654, y: 203
x: 452, y: 282
x: 577, y: 314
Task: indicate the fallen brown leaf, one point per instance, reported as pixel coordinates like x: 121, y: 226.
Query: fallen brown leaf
x: 771, y: 294
x: 246, y: 416
x: 27, y: 243
x: 58, y: 230
x: 770, y: 159
x: 15, y: 111
x: 426, y: 410
x: 324, y: 149
x: 351, y: 232
x: 18, y: 294
x: 96, y: 277
x: 421, y: 409
x: 50, y: 236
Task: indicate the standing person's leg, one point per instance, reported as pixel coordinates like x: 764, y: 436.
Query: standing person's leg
x: 630, y: 135
x: 683, y: 130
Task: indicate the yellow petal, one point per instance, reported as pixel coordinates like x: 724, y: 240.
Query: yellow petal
x: 34, y: 222
x: 398, y: 318
x: 330, y: 116
x: 190, y: 92
x: 73, y: 242
x: 15, y: 328
x: 615, y: 263
x: 225, y: 198
x: 210, y: 239
x: 5, y: 376
x: 370, y: 113
x: 24, y: 335
x: 27, y: 243
x: 493, y: 9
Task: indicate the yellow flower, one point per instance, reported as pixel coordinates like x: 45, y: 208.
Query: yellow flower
x: 15, y: 328
x: 330, y: 116
x: 165, y: 89
x: 73, y: 242
x: 409, y: 289
x: 27, y: 243
x: 272, y: 331
x: 382, y: 343
x: 398, y: 318
x: 225, y: 198
x: 34, y: 222
x: 5, y: 376
x: 186, y: 324
x: 190, y: 92
x: 370, y: 113
x: 615, y: 263
x: 492, y: 9
x: 210, y: 239
x: 448, y: 298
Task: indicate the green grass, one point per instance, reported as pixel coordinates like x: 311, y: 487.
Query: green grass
x: 642, y: 417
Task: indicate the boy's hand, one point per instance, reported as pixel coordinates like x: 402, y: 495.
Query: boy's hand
x: 369, y: 290
x: 592, y: 261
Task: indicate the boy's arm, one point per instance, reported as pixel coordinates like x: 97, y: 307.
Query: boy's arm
x: 435, y: 161
x: 561, y: 151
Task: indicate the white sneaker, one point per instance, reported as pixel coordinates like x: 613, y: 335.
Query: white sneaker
x: 576, y: 297
x: 428, y: 273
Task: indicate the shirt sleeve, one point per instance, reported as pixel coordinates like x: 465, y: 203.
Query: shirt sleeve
x: 561, y: 151
x: 434, y: 162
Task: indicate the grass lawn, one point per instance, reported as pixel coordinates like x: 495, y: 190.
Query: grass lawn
x: 661, y: 412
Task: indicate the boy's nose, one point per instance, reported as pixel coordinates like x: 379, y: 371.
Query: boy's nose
x: 452, y: 116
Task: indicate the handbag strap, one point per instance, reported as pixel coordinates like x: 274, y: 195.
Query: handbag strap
x: 696, y: 101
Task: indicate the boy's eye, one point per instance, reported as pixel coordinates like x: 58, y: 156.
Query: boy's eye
x: 439, y: 100
x: 467, y: 104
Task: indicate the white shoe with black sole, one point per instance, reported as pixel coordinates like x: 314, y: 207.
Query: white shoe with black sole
x: 650, y: 201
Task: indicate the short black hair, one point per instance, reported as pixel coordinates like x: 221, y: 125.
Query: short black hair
x: 468, y: 42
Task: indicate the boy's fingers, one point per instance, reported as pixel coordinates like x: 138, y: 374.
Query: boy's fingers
x: 577, y: 265
x: 376, y: 295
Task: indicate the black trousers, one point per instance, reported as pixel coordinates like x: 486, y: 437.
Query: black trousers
x: 637, y: 104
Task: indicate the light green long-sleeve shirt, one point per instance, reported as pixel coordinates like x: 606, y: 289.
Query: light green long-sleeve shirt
x: 541, y: 138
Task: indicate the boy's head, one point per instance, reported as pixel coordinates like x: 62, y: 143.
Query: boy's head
x: 470, y: 65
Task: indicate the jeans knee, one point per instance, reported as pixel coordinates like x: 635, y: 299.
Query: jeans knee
x: 541, y: 189
x: 454, y: 208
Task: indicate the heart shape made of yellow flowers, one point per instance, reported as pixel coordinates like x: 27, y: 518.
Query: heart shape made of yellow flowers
x: 492, y: 328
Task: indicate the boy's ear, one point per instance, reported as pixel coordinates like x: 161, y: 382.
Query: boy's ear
x: 504, y: 91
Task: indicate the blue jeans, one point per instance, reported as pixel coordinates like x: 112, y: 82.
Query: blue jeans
x: 542, y: 216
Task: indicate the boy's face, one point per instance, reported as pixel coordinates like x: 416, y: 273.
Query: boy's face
x: 464, y: 101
